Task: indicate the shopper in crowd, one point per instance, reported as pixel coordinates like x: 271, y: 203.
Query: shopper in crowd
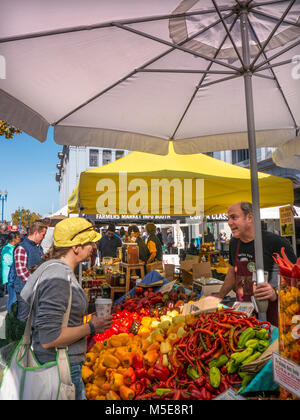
x: 74, y: 242
x: 153, y: 244
x: 209, y: 237
x: 14, y: 228
x: 13, y: 238
x: 223, y: 240
x: 241, y: 253
x: 135, y: 236
x: 26, y: 255
x: 170, y: 241
x: 109, y: 243
x: 3, y: 242
x: 160, y: 237
x: 193, y: 250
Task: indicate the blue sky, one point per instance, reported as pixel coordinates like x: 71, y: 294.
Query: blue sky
x: 27, y: 172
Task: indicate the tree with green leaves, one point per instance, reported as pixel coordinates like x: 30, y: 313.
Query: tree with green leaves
x: 24, y: 218
x: 7, y: 130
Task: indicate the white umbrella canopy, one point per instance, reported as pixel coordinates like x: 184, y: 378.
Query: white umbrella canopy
x: 133, y: 74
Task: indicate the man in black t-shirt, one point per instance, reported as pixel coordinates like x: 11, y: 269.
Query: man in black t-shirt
x: 242, y: 259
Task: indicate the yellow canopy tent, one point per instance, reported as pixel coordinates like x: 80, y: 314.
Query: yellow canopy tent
x: 175, y: 185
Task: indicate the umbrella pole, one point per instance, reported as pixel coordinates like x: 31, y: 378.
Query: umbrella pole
x: 262, y: 305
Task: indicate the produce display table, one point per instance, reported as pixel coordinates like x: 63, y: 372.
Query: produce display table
x: 154, y: 352
x: 208, y: 254
x: 132, y: 267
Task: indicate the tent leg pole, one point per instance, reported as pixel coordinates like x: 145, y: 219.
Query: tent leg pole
x: 262, y: 305
x: 80, y: 264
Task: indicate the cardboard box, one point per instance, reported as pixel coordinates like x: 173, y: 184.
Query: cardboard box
x: 191, y: 270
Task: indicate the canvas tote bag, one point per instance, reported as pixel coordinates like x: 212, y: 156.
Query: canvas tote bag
x: 26, y: 379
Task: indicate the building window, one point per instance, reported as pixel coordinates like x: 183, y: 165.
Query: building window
x: 94, y: 157
x: 119, y: 154
x: 106, y: 157
x: 240, y: 155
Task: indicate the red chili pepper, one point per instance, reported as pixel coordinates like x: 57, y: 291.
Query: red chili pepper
x: 200, y: 382
x: 210, y: 352
x: 223, y: 344
x: 285, y: 258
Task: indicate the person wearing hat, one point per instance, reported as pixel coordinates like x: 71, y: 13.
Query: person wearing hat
x: 109, y: 243
x: 135, y: 236
x: 153, y: 244
x: 74, y: 240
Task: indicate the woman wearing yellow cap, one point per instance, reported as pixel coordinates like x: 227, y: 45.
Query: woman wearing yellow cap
x: 74, y: 242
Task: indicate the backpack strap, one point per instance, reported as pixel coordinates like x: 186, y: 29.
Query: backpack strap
x: 27, y: 333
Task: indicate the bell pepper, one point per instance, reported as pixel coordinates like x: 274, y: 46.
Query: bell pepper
x: 151, y: 357
x: 116, y: 381
x: 99, y: 381
x: 161, y: 372
x: 87, y: 373
x: 113, y: 396
x: 192, y: 372
x: 137, y: 361
x: 100, y: 398
x: 129, y: 376
x: 126, y: 393
x: 99, y: 368
x: 214, y: 377
x: 246, y: 335
x: 90, y: 359
x: 165, y: 347
x: 92, y: 391
x: 127, y: 359
x: 140, y: 373
x: 111, y: 361
x: 119, y: 340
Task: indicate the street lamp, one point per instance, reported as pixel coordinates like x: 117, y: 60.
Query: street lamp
x: 21, y: 211
x: 3, y: 198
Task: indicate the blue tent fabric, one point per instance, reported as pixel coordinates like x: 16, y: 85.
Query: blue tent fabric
x: 264, y: 381
x: 150, y: 278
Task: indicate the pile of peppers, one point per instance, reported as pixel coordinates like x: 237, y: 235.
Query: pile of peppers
x: 122, y: 321
x: 200, y: 358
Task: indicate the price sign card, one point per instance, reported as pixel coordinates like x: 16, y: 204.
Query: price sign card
x: 246, y: 307
x: 286, y: 374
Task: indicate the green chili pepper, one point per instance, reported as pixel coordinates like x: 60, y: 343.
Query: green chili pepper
x: 251, y: 358
x: 214, y: 377
x: 263, y: 345
x: 161, y: 391
x: 219, y: 362
x: 246, y: 380
x: 232, y: 367
x: 262, y: 334
x: 240, y: 357
x: 192, y: 372
x: 245, y: 336
x: 253, y: 343
x: 202, y: 342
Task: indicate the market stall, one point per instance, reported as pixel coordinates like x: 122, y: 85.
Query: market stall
x: 162, y: 346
